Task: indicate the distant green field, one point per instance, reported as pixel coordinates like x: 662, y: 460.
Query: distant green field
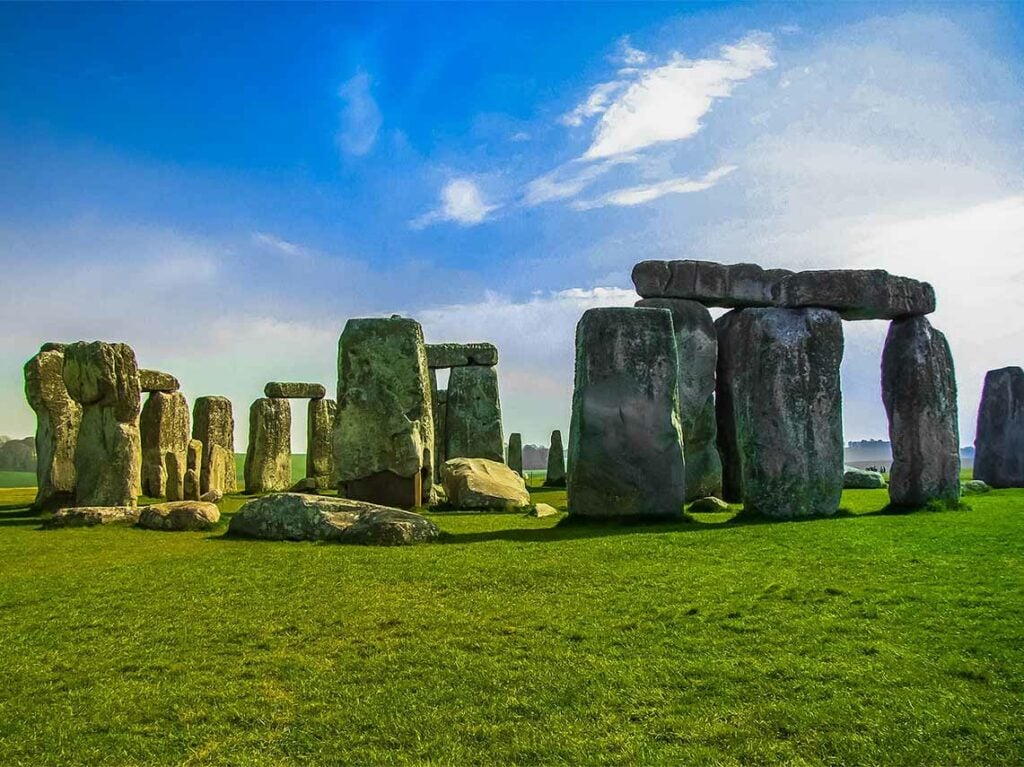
x: 17, y: 479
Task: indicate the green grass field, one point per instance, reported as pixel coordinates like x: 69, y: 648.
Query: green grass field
x: 867, y: 639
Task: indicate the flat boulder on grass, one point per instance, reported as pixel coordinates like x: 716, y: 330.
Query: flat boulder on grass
x: 298, y: 517
x: 974, y: 487
x: 862, y: 479
x: 179, y: 515
x: 708, y: 505
x: 479, y: 483
x: 90, y: 516
x: 541, y: 510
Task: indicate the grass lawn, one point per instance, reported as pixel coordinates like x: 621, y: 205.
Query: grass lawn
x: 862, y: 639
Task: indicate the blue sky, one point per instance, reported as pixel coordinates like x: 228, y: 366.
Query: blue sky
x: 223, y: 185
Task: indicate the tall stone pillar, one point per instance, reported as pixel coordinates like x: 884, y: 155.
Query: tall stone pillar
x: 213, y: 424
x: 999, y: 441
x: 58, y: 418
x: 515, y: 452
x: 625, y: 443
x: 319, y: 452
x: 919, y: 393
x: 473, y: 420
x: 164, y: 430
x: 555, y: 476
x: 268, y: 460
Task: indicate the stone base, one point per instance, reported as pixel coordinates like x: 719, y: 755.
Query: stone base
x: 385, y: 488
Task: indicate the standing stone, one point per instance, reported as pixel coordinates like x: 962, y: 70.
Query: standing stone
x: 57, y: 422
x: 473, y: 420
x: 190, y: 480
x: 384, y: 429
x: 780, y: 416
x: 440, y: 431
x: 214, y: 425
x: 919, y: 393
x: 515, y: 452
x: 164, y: 430
x: 625, y: 443
x: 268, y: 461
x: 697, y: 347
x: 999, y: 442
x: 319, y: 453
x: 104, y: 379
x: 555, y: 476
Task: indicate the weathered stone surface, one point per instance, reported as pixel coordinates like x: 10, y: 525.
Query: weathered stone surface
x: 179, y: 515
x: 291, y: 390
x: 440, y: 430
x: 461, y: 355
x: 515, y: 452
x: 974, y: 487
x: 156, y: 380
x: 104, y: 379
x: 164, y: 430
x: 709, y: 504
x: 625, y: 442
x: 555, y: 476
x: 58, y: 418
x: 541, y: 510
x: 268, y: 460
x: 296, y: 517
x: 90, y: 516
x: 919, y: 393
x: 213, y: 496
x: 384, y: 429
x: 857, y: 294
x: 780, y: 425
x: 697, y: 348
x: 213, y: 424
x: 473, y: 415
x: 999, y: 440
x: 862, y: 479
x: 319, y: 451
x: 18, y: 455
x: 191, y: 477
x: 478, y: 483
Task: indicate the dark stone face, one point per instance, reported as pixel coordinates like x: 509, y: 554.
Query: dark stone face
x: 461, y: 355
x: 999, y: 443
x: 555, y: 476
x: 386, y: 489
x: 473, y: 415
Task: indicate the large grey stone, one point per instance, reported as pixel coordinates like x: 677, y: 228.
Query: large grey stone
x: 460, y: 355
x: 857, y: 294
x: 555, y: 476
x: 91, y: 516
x: 298, y: 517
x: 473, y: 415
x: 18, y: 455
x: 164, y: 431
x: 780, y: 424
x: 104, y: 379
x: 268, y: 459
x: 999, y: 440
x: 213, y: 424
x: 625, y: 442
x: 697, y: 348
x: 384, y: 429
x: 156, y: 380
x: 191, y: 475
x: 319, y: 452
x: 58, y: 418
x: 291, y: 390
x: 179, y: 515
x: 478, y: 483
x: 862, y: 479
x: 515, y: 452
x: 919, y: 393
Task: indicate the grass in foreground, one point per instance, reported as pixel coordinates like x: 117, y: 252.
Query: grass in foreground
x: 863, y: 639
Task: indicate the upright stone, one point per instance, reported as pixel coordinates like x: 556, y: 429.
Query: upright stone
x: 193, y: 463
x: 104, y: 379
x: 214, y: 425
x: 440, y: 431
x: 164, y: 430
x: 58, y: 418
x: 515, y: 452
x: 319, y: 453
x: 780, y: 417
x: 268, y: 460
x: 697, y: 347
x: 473, y: 419
x: 919, y: 393
x: 555, y: 476
x: 625, y: 443
x: 384, y: 429
x: 999, y: 441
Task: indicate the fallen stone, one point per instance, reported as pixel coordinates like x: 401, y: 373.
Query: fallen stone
x: 296, y: 517
x: 90, y: 516
x: 999, y: 440
x: 515, y: 453
x: 974, y: 487
x: 541, y: 510
x: 780, y: 425
x: 157, y: 381
x: 164, y: 434
x: 213, y: 424
x: 473, y: 415
x: 319, y: 451
x: 708, y: 505
x: 311, y: 485
x: 179, y: 515
x: 478, y: 483
x: 290, y: 390
x: 555, y: 476
x: 862, y: 479
x: 213, y: 496
x: 697, y: 349
x: 58, y: 418
x: 919, y: 394
x: 268, y: 460
x: 625, y: 442
x: 461, y: 355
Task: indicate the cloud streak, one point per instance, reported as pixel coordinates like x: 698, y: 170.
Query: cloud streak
x: 360, y: 116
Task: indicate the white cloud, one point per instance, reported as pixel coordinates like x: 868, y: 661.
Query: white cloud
x: 628, y: 55
x: 597, y: 102
x: 276, y: 243
x: 461, y: 202
x: 360, y: 116
x: 638, y: 195
x: 569, y: 180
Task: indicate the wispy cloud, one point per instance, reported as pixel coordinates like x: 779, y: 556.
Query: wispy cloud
x: 360, y: 116
x: 637, y: 195
x: 461, y: 202
x: 276, y: 243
